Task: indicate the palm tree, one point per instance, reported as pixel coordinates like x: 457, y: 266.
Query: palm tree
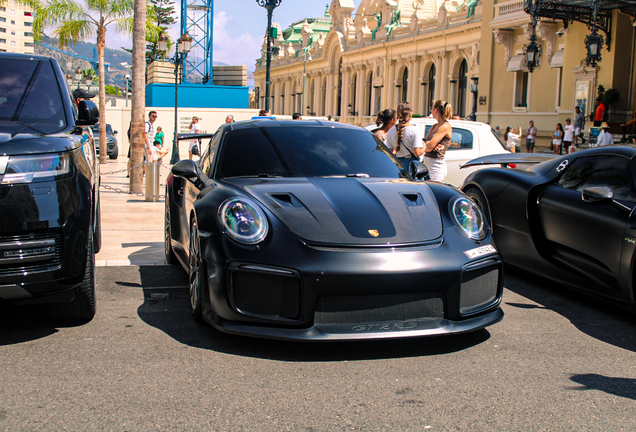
x: 139, y: 95
x: 74, y: 21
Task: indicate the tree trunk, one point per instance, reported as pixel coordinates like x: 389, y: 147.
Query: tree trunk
x: 103, y: 141
x: 137, y: 131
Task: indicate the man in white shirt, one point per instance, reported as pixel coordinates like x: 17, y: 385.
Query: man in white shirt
x: 604, y: 138
x: 151, y: 150
x: 568, y: 136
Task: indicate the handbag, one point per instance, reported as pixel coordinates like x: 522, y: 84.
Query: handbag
x: 195, y: 150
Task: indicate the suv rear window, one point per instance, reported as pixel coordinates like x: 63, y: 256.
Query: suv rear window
x: 30, y: 95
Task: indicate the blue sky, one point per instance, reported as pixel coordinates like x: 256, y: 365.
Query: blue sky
x: 239, y: 27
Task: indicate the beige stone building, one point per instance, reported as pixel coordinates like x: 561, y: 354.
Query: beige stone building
x: 16, y: 28
x: 363, y: 57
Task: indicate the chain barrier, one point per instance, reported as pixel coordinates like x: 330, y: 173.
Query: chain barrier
x: 121, y: 191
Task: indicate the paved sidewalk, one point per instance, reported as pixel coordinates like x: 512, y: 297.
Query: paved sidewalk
x: 132, y: 228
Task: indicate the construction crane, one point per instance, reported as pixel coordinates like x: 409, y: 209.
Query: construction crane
x: 93, y: 61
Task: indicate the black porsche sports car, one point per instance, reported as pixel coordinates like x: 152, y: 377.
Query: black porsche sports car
x: 312, y: 230
x: 570, y: 218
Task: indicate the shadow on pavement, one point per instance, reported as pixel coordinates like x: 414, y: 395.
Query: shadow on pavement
x: 152, y: 251
x: 167, y: 307
x: 25, y: 323
x: 623, y: 387
x: 600, y: 320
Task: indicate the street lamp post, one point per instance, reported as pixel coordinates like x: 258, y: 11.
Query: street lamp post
x: 127, y: 78
x: 78, y: 76
x: 180, y: 54
x: 306, y: 58
x: 270, y: 5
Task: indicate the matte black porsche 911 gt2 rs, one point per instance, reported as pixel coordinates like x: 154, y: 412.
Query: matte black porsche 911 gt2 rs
x: 570, y: 219
x: 312, y: 230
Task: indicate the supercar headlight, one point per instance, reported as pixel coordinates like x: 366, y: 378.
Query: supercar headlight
x: 28, y: 169
x: 243, y: 220
x: 468, y: 218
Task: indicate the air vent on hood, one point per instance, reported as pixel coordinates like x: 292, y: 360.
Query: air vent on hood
x: 286, y: 200
x: 412, y: 199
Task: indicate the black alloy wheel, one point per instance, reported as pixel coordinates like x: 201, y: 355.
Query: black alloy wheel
x: 194, y: 273
x: 171, y: 257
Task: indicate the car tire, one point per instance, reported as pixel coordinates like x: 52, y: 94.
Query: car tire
x: 97, y: 232
x: 114, y: 154
x: 82, y: 307
x: 478, y: 198
x: 195, y: 276
x: 171, y: 257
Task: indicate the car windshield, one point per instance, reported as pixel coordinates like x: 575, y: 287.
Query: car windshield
x: 305, y: 151
x: 30, y: 95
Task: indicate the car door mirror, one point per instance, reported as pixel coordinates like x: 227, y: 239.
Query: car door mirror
x: 87, y: 113
x: 186, y: 169
x: 596, y: 194
x: 418, y: 171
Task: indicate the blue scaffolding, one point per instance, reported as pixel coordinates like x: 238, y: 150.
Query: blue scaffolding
x: 197, y: 18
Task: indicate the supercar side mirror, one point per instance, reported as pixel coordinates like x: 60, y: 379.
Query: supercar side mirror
x: 418, y: 171
x: 596, y: 194
x: 186, y: 169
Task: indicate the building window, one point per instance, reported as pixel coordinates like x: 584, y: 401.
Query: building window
x: 3, y: 30
x: 405, y: 85
x: 12, y: 22
x: 3, y: 50
x: 28, y: 44
x: 3, y: 41
x: 462, y: 89
x: 521, y: 89
x: 12, y: 42
x: 3, y: 9
x: 28, y: 14
x: 354, y: 89
x: 559, y: 86
x: 28, y: 34
x: 13, y: 32
x: 12, y: 11
x: 2, y: 19
x: 28, y: 24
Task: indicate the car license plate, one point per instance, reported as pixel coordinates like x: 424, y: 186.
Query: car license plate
x: 480, y: 251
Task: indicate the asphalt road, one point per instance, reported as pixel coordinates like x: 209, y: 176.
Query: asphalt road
x: 556, y: 362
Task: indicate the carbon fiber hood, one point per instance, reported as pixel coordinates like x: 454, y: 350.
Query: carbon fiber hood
x: 352, y: 211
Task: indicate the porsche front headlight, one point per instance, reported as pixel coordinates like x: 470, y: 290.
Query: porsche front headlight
x: 28, y: 169
x: 468, y: 218
x: 243, y: 220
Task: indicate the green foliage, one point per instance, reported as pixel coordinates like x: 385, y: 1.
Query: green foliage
x: 111, y: 90
x: 164, y: 16
x: 610, y: 96
x: 417, y: 115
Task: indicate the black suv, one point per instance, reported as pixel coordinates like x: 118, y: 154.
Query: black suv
x: 112, y: 150
x: 49, y: 190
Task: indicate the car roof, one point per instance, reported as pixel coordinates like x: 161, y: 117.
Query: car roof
x: 23, y: 56
x: 275, y: 123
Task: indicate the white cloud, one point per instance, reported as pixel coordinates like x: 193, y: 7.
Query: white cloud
x: 241, y: 50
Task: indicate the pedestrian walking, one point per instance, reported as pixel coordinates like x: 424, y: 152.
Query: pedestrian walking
x: 531, y: 136
x: 386, y: 120
x: 405, y: 139
x: 568, y: 135
x: 194, y: 129
x: 579, y: 123
x: 557, y: 139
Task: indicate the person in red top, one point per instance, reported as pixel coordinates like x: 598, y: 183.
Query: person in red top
x: 600, y: 112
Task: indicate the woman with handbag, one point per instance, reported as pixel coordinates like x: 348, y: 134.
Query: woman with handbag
x: 438, y: 140
x: 405, y: 140
x: 194, y: 129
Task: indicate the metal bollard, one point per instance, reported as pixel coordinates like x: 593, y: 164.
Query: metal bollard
x: 152, y: 182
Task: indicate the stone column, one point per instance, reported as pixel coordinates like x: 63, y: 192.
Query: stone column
x: 443, y: 79
x: 359, y: 91
x: 389, y: 88
x: 347, y: 80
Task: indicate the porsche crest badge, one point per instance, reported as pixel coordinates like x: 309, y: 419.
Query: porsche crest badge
x: 374, y: 233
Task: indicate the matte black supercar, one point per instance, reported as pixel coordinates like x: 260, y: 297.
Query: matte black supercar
x: 49, y: 189
x: 312, y: 230
x: 570, y: 219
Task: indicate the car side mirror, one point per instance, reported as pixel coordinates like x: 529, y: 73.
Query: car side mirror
x: 596, y: 194
x: 114, y: 132
x: 418, y: 171
x: 87, y: 113
x: 186, y: 169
